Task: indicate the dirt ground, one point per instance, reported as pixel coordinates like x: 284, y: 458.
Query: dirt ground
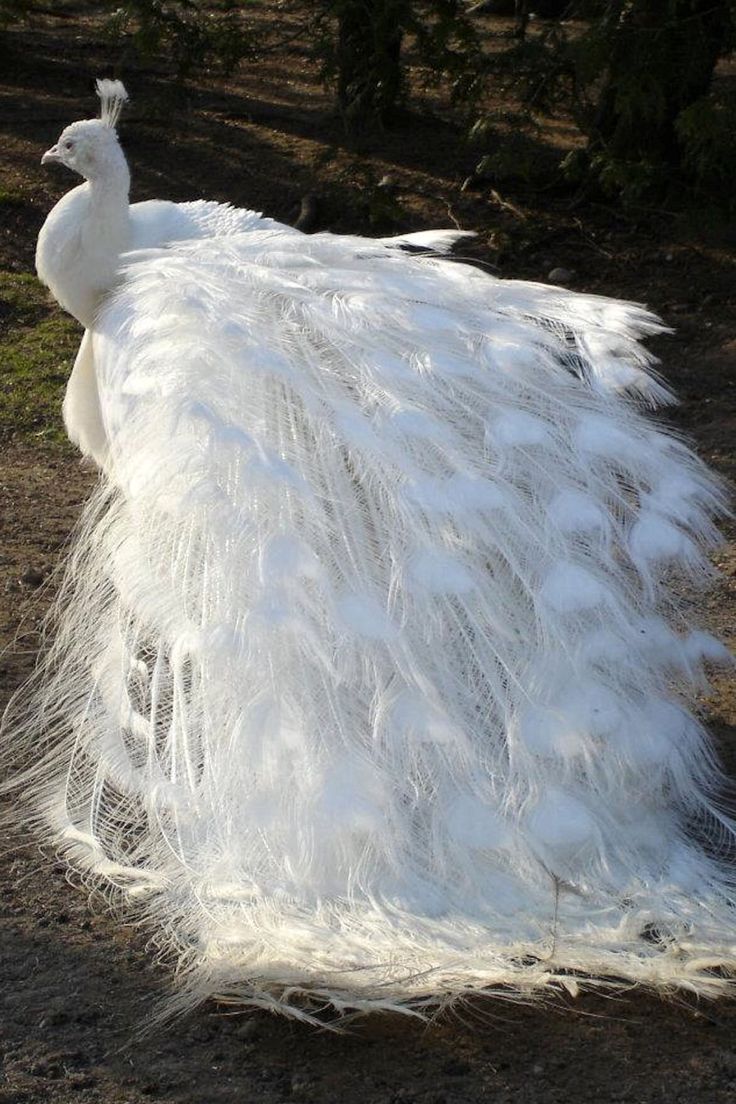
x: 77, y: 988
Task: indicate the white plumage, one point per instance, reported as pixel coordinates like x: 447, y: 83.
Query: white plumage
x: 368, y: 680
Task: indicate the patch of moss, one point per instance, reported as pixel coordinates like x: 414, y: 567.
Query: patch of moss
x: 9, y: 198
x: 38, y: 343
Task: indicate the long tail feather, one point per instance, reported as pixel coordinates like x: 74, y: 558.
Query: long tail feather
x: 362, y: 688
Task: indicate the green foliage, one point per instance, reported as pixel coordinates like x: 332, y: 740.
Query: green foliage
x: 194, y: 34
x: 637, y: 77
x: 632, y: 181
x: 362, y: 47
x: 37, y: 348
x: 706, y: 131
x: 534, y: 72
x: 514, y: 153
x: 10, y: 197
x: 445, y: 39
x: 658, y: 89
x: 13, y: 10
x: 527, y: 76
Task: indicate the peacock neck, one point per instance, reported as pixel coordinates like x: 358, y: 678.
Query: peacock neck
x: 109, y: 197
x: 80, y: 245
x: 105, y: 235
x: 111, y: 184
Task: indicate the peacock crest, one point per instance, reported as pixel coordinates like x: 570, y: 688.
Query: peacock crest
x: 113, y: 99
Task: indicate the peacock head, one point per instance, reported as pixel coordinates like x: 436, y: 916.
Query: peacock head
x: 90, y: 147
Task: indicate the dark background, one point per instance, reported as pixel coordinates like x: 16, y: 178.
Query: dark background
x: 79, y: 992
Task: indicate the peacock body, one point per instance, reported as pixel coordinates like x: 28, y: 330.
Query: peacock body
x: 369, y: 683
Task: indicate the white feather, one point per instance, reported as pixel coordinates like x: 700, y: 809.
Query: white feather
x: 576, y: 512
x: 361, y: 691
x: 113, y: 98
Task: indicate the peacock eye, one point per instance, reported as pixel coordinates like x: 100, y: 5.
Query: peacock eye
x: 69, y: 145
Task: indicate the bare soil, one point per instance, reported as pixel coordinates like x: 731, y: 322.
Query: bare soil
x: 77, y: 989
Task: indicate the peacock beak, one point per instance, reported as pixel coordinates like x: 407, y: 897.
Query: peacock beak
x: 51, y: 156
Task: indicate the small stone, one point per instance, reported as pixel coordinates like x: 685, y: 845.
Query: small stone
x: 560, y: 275
x: 300, y: 1085
x: 32, y: 577
x: 46, y: 1068
x: 726, y: 1061
x: 455, y: 1067
x: 201, y: 1032
x: 248, y: 1029
x: 81, y: 1081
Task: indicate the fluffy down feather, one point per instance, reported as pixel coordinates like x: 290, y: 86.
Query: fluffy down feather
x: 362, y: 686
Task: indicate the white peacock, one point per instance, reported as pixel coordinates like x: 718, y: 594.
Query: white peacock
x: 367, y: 688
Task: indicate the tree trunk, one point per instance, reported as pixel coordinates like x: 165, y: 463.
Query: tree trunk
x: 369, y: 81
x: 662, y: 58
